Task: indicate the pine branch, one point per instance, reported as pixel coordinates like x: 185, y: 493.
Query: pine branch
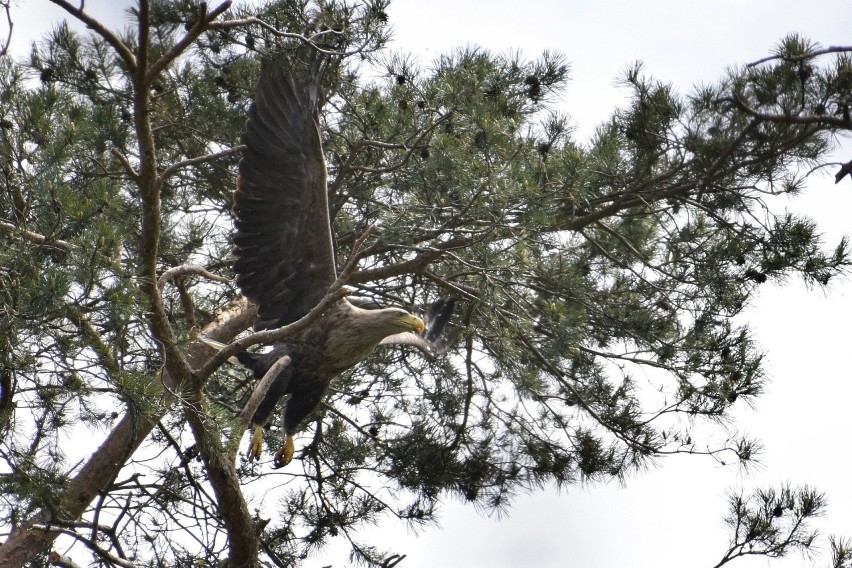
x: 4, y: 48
x: 35, y: 237
x: 113, y: 40
x: 814, y: 119
x: 148, y: 182
x: 94, y: 339
x: 198, y: 28
x: 803, y: 57
x: 102, y: 467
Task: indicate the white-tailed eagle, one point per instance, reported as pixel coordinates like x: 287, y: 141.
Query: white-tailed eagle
x: 285, y: 257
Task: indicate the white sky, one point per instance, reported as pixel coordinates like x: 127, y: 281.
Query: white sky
x: 670, y: 516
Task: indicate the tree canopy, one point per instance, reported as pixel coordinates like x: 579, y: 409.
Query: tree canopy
x: 598, y: 281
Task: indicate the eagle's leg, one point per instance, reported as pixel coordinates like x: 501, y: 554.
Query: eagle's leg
x: 284, y: 455
x: 256, y: 443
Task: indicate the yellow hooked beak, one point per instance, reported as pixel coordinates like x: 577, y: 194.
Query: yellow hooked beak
x: 413, y: 323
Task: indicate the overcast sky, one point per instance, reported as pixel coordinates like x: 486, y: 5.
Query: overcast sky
x: 670, y: 516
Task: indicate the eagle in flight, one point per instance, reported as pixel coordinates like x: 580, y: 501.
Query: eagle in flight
x: 285, y: 256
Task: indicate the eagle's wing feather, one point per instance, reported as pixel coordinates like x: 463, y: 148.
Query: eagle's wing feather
x: 283, y: 245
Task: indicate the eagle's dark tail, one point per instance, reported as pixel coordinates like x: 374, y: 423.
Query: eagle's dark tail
x: 438, y: 316
x: 251, y: 361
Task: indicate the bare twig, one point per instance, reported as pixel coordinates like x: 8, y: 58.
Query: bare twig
x: 198, y: 160
x: 185, y: 269
x: 251, y: 20
x: 355, y: 254
x: 100, y: 552
x: 186, y: 303
x: 134, y: 175
x: 415, y: 265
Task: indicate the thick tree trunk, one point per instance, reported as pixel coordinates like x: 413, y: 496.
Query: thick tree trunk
x: 96, y: 475
x: 220, y: 464
x: 31, y: 538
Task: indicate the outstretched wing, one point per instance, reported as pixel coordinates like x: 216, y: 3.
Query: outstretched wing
x: 439, y: 335
x: 283, y: 245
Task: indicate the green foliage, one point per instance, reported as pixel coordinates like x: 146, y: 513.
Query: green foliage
x: 579, y: 266
x: 775, y: 522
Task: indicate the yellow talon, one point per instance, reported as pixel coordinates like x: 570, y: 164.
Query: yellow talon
x: 256, y: 444
x: 284, y: 455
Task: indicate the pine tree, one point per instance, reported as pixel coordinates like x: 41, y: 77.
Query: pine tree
x: 577, y: 265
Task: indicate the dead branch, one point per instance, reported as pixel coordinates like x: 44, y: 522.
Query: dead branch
x: 198, y: 160
x: 184, y: 270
